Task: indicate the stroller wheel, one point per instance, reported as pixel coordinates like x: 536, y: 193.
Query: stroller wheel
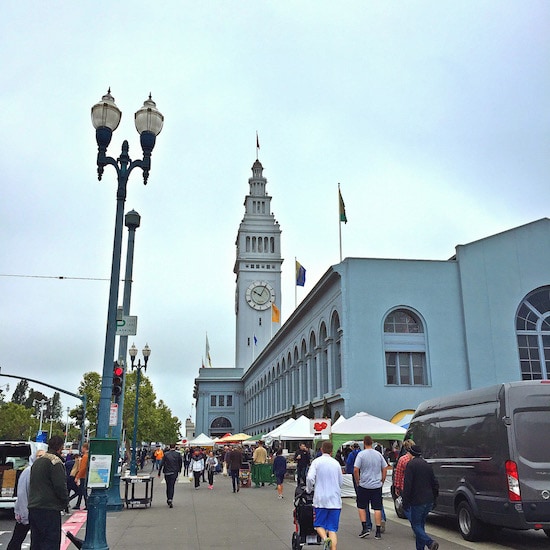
x: 296, y: 541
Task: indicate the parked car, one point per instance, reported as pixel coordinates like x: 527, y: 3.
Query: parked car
x: 14, y: 458
x: 490, y: 452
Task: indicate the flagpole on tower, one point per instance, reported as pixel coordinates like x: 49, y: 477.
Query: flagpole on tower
x: 257, y: 144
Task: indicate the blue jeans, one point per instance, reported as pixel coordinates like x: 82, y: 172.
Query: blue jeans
x: 417, y: 517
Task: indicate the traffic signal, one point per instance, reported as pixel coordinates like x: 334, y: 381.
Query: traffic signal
x: 79, y: 421
x: 118, y: 377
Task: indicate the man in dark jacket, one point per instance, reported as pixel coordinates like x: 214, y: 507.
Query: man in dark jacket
x: 302, y: 458
x: 235, y: 461
x: 47, y: 497
x: 420, y: 492
x: 171, y: 464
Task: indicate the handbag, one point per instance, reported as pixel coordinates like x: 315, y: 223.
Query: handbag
x: 399, y: 506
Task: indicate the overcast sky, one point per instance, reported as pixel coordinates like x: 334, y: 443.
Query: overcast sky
x: 434, y: 117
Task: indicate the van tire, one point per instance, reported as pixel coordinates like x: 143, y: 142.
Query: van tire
x: 471, y: 528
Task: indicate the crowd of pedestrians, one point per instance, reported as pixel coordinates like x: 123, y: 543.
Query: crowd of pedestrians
x: 51, y: 481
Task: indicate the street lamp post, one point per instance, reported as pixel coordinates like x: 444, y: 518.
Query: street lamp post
x: 132, y: 221
x: 133, y: 352
x: 105, y: 119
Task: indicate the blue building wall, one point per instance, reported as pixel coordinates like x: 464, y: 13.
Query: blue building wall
x: 496, y: 274
x: 373, y: 288
x: 467, y: 305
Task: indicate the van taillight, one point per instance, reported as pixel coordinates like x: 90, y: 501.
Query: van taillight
x: 513, y: 481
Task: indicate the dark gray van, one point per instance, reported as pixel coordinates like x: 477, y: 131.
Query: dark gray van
x: 490, y: 450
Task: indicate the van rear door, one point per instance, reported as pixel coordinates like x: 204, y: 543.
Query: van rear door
x: 529, y: 410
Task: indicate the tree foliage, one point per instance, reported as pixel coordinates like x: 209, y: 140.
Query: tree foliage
x: 3, y: 395
x: 53, y: 408
x: 155, y: 420
x: 326, y: 409
x: 310, y: 411
x: 20, y: 393
x: 37, y: 401
x: 17, y: 422
x: 90, y: 386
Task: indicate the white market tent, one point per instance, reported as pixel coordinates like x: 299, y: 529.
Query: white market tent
x: 340, y: 419
x: 299, y: 430
x: 361, y: 424
x: 275, y: 433
x: 201, y: 440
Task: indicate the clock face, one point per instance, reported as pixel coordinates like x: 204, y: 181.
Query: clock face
x: 260, y: 295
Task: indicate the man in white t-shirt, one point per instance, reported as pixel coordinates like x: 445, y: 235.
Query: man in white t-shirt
x: 325, y: 474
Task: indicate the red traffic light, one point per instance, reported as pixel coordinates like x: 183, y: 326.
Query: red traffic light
x: 118, y: 374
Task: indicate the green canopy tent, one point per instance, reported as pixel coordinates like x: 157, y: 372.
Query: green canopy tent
x: 362, y: 424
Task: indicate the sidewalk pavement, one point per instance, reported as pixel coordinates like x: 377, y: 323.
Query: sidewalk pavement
x: 253, y: 518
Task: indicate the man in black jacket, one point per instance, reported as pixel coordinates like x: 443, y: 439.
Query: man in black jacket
x: 420, y: 491
x: 171, y: 464
x: 47, y: 497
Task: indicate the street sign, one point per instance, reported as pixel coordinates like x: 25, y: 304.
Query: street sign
x: 113, y: 414
x: 127, y: 326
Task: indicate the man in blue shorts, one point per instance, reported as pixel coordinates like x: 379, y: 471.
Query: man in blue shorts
x: 370, y: 473
x: 325, y: 474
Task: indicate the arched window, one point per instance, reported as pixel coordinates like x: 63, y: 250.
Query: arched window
x: 220, y: 426
x: 533, y: 333
x: 405, y: 347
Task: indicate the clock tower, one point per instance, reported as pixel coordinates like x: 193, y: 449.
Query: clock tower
x: 258, y: 271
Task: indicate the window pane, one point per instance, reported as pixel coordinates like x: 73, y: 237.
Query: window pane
x: 530, y: 425
x: 403, y: 322
x: 404, y: 369
x: 540, y: 300
x: 212, y: 400
x: 390, y: 368
x: 532, y: 317
x: 221, y: 400
x: 229, y: 400
x: 419, y: 372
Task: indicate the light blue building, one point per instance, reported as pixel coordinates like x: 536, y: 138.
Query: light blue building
x: 382, y: 335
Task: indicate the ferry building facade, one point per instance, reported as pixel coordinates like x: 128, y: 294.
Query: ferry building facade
x: 377, y: 335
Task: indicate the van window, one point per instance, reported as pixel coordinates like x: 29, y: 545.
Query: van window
x: 529, y: 425
x: 469, y: 437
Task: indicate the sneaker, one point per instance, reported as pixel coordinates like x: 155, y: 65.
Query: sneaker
x: 170, y: 504
x: 383, y: 527
x: 378, y: 535
x: 364, y: 533
x: 434, y: 545
x: 327, y: 544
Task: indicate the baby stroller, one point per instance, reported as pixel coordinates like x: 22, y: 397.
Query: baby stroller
x: 303, y: 520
